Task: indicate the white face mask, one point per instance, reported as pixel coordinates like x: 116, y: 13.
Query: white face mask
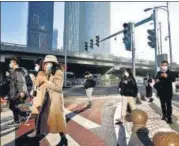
x: 49, y: 67
x: 126, y: 74
x: 164, y: 68
x: 10, y: 65
x: 37, y: 68
x: 7, y: 74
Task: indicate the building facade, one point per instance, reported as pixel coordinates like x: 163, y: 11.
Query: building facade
x: 84, y: 21
x: 55, y: 39
x: 71, y: 26
x: 40, y: 24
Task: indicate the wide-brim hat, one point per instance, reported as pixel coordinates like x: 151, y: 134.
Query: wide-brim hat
x: 50, y: 58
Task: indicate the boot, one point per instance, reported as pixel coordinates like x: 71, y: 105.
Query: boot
x: 63, y: 142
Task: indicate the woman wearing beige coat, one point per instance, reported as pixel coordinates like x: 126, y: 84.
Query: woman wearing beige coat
x: 51, y: 113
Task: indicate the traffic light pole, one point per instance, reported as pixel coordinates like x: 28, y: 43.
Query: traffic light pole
x: 133, y: 48
x: 156, y: 36
x: 170, y: 39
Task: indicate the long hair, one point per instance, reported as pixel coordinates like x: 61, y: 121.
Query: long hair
x: 54, y: 68
x: 130, y: 72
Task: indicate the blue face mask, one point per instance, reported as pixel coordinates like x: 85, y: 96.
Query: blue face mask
x: 49, y: 67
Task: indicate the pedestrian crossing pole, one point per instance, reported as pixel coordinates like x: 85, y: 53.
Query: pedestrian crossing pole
x: 133, y: 48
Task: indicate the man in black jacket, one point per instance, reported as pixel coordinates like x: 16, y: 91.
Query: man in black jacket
x: 89, y: 86
x: 17, y: 88
x: 163, y: 85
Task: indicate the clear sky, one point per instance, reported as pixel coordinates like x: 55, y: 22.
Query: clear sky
x: 14, y: 21
x: 14, y: 25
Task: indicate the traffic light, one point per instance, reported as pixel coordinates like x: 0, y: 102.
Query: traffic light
x: 97, y: 40
x: 91, y: 43
x: 127, y: 36
x: 86, y: 46
x: 152, y: 38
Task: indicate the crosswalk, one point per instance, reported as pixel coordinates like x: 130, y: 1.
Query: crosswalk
x: 81, y: 123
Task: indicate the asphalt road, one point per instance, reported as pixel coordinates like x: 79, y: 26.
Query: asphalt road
x: 108, y: 90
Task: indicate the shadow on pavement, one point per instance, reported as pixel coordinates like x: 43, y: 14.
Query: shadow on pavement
x: 74, y: 113
x: 25, y: 141
x: 140, y: 138
x: 121, y: 137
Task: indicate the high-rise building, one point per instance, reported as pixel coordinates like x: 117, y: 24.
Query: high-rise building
x: 85, y: 20
x: 40, y: 24
x: 71, y: 26
x: 55, y: 39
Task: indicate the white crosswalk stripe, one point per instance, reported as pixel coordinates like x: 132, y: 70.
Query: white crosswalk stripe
x: 81, y: 120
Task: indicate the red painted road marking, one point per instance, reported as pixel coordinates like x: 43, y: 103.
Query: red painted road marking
x: 93, y: 113
x: 80, y: 134
x: 25, y: 128
x: 83, y: 136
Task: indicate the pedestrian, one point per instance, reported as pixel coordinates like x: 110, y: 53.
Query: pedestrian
x: 17, y: 89
x: 35, y: 103
x: 163, y: 85
x: 128, y: 90
x: 89, y: 86
x: 49, y: 83
x: 149, y: 87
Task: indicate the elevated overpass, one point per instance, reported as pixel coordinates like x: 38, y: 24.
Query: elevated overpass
x: 77, y: 61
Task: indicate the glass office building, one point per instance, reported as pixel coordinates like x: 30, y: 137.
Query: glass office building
x: 55, y: 39
x: 71, y: 26
x: 85, y: 20
x: 40, y: 24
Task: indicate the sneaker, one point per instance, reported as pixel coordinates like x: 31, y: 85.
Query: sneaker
x: 14, y: 123
x: 33, y: 134
x: 89, y: 104
x: 164, y: 118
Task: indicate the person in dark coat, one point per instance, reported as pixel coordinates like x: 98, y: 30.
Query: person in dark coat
x: 17, y: 89
x: 148, y: 88
x: 129, y: 90
x: 89, y: 86
x: 163, y: 85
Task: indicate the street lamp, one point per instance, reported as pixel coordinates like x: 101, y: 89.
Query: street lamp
x: 165, y: 8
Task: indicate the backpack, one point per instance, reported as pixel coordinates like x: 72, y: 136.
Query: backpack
x: 28, y: 80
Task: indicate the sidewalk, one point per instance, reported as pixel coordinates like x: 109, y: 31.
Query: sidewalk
x: 154, y: 123
x: 175, y: 109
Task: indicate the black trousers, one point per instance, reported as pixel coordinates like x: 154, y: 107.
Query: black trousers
x: 13, y: 105
x: 166, y: 105
x: 17, y: 112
